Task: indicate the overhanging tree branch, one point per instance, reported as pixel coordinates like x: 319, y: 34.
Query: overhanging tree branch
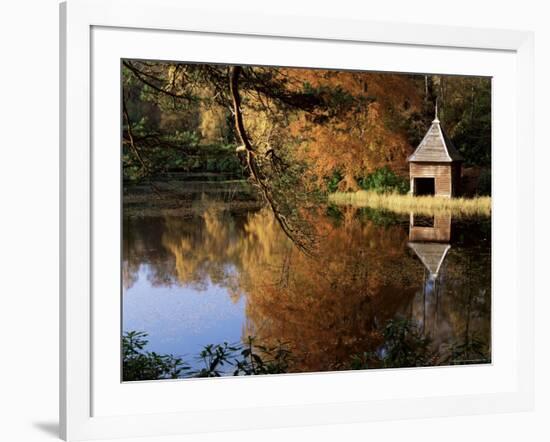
x: 141, y: 76
x: 132, y: 144
x: 252, y: 164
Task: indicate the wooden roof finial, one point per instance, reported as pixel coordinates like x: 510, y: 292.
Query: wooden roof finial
x: 436, y: 119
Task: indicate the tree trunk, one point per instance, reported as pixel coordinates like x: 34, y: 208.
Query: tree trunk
x: 348, y: 184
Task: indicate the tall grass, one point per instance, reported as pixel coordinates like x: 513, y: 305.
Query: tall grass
x: 426, y: 205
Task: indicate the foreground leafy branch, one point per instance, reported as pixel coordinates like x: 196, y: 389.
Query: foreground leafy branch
x: 216, y: 360
x: 303, y: 241
x: 139, y: 365
x: 403, y: 346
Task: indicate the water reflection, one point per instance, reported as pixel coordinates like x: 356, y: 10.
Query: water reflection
x: 436, y: 228
x: 219, y: 275
x: 447, y: 313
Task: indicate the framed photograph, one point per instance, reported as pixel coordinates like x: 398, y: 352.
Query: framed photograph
x: 274, y: 221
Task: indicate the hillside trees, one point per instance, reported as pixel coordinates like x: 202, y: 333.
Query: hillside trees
x: 299, y: 127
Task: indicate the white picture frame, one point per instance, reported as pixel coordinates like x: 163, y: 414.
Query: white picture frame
x: 92, y: 404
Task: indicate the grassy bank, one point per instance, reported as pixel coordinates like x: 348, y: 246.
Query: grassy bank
x: 426, y: 205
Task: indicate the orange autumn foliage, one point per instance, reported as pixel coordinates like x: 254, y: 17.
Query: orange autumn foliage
x: 362, y: 128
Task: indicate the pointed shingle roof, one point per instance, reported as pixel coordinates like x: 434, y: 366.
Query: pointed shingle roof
x: 436, y: 147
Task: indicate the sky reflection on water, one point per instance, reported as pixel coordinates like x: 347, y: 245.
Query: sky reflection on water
x: 219, y: 277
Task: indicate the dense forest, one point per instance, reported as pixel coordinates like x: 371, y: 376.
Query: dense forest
x: 317, y: 130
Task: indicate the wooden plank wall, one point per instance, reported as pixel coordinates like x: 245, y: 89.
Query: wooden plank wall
x: 441, y: 173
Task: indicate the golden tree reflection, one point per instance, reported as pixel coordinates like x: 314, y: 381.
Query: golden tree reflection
x: 326, y: 306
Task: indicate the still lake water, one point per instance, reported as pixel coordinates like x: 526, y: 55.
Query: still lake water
x: 217, y: 272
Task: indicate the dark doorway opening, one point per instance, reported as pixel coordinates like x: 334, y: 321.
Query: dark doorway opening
x: 424, y: 186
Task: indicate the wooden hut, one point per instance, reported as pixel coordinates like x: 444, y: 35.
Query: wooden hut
x: 435, y: 166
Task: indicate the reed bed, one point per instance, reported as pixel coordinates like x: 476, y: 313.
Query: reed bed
x: 425, y: 205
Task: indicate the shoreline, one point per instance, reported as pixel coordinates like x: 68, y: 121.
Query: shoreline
x: 426, y: 205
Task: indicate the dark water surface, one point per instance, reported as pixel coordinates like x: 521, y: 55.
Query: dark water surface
x: 216, y: 272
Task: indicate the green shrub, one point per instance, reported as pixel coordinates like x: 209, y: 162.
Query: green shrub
x: 140, y: 365
x: 404, y: 346
x: 384, y: 180
x: 333, y: 180
x: 250, y: 358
